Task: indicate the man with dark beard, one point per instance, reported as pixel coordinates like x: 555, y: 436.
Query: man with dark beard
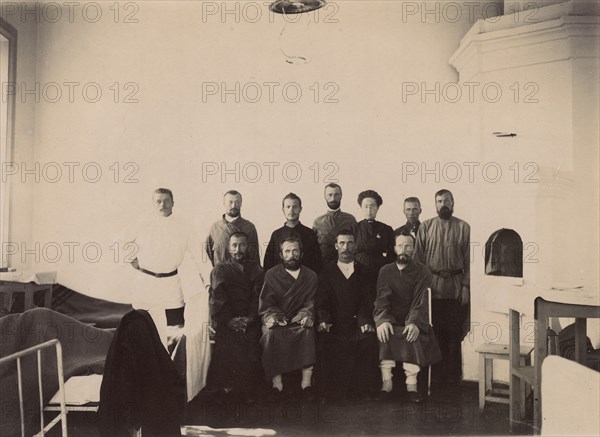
x: 442, y: 244
x: 329, y: 224
x: 286, y: 306
x: 217, y: 242
x: 402, y: 318
x: 235, y: 286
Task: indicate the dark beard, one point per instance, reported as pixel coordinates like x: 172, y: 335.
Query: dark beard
x: 445, y: 213
x: 239, y: 257
x: 334, y: 204
x: 233, y: 212
x: 403, y: 259
x: 293, y: 264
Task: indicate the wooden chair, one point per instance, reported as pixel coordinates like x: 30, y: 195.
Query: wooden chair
x: 488, y: 352
x: 532, y: 375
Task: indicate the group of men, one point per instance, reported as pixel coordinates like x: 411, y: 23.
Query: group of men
x: 315, y: 312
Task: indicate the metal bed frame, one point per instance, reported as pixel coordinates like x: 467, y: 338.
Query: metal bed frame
x: 62, y: 417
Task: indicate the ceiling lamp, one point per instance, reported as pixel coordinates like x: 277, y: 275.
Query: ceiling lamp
x: 295, y: 7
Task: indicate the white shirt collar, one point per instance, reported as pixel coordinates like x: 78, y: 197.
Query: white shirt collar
x: 346, y: 268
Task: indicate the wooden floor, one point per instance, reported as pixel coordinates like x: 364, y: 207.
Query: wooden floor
x: 448, y: 412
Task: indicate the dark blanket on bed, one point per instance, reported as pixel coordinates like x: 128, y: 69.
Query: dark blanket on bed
x: 101, y: 313
x: 84, y: 350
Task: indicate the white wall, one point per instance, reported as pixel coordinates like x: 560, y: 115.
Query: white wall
x: 171, y: 132
x: 370, y: 134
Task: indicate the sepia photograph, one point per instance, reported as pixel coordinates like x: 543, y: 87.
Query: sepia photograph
x: 299, y: 217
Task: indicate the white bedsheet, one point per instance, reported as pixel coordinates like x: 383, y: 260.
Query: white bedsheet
x: 570, y: 398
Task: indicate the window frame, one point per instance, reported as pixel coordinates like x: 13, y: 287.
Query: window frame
x: 10, y: 33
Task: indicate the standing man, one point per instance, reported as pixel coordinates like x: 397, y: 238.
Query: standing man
x: 161, y: 243
x: 412, y: 211
x: 402, y: 318
x: 329, y: 224
x: 443, y: 245
x: 347, y: 342
x: 231, y: 222
x: 235, y: 286
x: 287, y: 309
x: 311, y: 253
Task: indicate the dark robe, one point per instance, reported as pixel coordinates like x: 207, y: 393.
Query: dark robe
x: 311, y: 253
x: 234, y: 293
x: 327, y: 226
x: 374, y: 244
x: 401, y: 300
x: 290, y: 347
x: 141, y: 385
x: 348, y: 358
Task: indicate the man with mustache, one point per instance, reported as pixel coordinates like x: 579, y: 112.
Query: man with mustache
x: 346, y: 330
x: 442, y: 244
x: 329, y: 224
x: 235, y: 286
x: 402, y: 317
x: 311, y: 253
x: 217, y: 242
x: 287, y: 307
x: 161, y: 243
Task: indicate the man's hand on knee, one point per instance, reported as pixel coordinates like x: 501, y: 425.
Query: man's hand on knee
x: 324, y: 327
x: 273, y: 321
x: 385, y: 331
x: 366, y: 328
x: 412, y: 333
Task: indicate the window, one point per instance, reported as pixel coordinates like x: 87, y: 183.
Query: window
x: 504, y: 254
x: 8, y: 64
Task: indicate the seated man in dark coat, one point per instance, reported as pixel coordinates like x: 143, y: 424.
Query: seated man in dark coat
x: 235, y: 286
x: 287, y: 309
x: 402, y: 317
x: 348, y: 348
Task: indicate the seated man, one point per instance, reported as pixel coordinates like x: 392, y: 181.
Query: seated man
x: 402, y: 318
x: 348, y: 346
x: 286, y: 306
x: 235, y: 285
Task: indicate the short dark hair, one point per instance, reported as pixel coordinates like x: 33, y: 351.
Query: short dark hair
x: 233, y: 193
x: 404, y: 233
x: 238, y: 234
x: 290, y: 239
x: 332, y: 185
x: 444, y: 191
x: 345, y: 232
x: 292, y: 196
x: 370, y: 194
x: 164, y: 191
x: 412, y: 199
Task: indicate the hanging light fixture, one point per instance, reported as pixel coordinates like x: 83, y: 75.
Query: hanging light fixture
x: 294, y: 38
x: 295, y: 7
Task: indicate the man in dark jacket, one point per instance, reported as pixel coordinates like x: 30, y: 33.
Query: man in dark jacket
x: 347, y: 341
